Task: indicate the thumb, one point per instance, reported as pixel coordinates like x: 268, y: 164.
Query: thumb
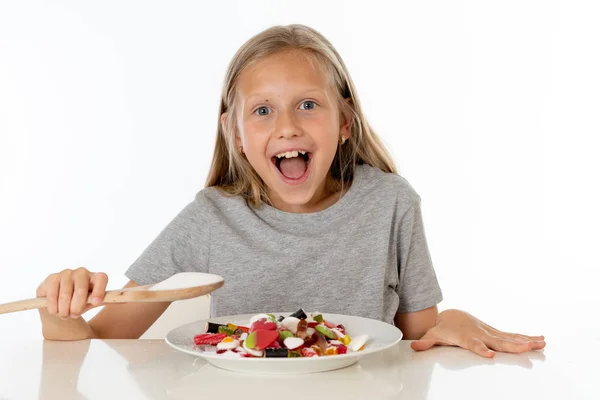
x: 423, y: 344
x: 426, y: 342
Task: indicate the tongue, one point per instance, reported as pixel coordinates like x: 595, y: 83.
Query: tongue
x: 293, y: 168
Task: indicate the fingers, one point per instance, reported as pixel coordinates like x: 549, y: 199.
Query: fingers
x: 478, y: 347
x: 81, y: 284
x: 537, y: 342
x: 65, y: 293
x: 98, y: 282
x: 49, y: 288
x: 508, y: 345
x: 517, y: 335
x: 499, y: 333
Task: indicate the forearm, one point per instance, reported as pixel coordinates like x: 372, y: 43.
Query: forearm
x: 415, y: 324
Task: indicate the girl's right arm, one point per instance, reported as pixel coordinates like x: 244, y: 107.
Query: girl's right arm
x: 67, y: 293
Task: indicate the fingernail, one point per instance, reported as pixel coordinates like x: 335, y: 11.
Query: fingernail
x: 96, y: 301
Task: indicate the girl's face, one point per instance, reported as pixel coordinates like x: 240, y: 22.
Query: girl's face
x: 289, y: 125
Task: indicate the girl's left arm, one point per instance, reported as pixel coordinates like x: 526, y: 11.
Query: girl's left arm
x: 457, y: 328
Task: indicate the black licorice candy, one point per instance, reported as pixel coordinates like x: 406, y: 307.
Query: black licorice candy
x: 280, y: 318
x: 300, y: 314
x: 212, y: 327
x: 276, y: 353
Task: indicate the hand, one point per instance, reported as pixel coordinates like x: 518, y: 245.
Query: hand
x: 67, y: 292
x: 458, y: 328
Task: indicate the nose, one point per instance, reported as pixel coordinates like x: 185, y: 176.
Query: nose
x: 286, y: 126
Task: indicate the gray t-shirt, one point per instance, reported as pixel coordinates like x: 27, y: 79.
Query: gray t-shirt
x: 366, y: 255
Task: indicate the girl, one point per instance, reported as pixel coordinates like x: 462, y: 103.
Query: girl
x: 302, y: 208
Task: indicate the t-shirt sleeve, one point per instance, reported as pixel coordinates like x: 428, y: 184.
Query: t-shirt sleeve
x: 182, y: 246
x: 418, y: 286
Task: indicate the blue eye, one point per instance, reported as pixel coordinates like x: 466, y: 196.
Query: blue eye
x: 309, y: 103
x: 262, y: 111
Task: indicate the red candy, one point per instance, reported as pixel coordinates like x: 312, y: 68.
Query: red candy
x: 341, y: 328
x: 341, y: 349
x: 329, y: 324
x: 263, y: 325
x: 308, y: 352
x: 209, y: 338
x: 260, y: 340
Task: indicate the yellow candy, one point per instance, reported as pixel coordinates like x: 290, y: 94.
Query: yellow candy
x: 317, y: 349
x: 331, y: 351
x: 228, y: 339
x: 232, y: 326
x: 346, y: 340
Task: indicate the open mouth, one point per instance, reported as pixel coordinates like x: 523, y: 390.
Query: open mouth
x: 292, y: 164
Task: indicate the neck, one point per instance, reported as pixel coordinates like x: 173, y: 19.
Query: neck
x: 328, y: 194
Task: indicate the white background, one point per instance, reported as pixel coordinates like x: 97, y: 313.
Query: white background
x: 108, y: 114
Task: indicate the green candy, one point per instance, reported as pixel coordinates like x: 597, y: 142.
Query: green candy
x: 328, y: 333
x: 272, y: 317
x: 318, y: 318
x: 285, y: 334
x: 226, y: 329
x: 250, y: 341
x: 294, y: 354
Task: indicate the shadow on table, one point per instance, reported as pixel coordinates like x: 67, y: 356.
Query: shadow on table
x: 60, y: 369
x: 396, y: 373
x: 66, y: 365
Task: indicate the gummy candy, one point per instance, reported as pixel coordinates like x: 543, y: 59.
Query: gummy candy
x: 209, y: 338
x: 263, y: 325
x: 328, y: 333
x: 331, y: 351
x: 260, y: 340
x: 309, y: 352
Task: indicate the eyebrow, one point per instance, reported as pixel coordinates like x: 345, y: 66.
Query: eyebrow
x: 252, y: 96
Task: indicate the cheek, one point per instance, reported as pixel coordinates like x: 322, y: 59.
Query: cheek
x: 323, y: 125
x: 255, y: 143
x: 251, y: 135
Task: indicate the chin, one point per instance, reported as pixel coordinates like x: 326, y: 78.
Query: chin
x: 301, y: 198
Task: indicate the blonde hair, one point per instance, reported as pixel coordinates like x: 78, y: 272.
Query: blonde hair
x: 232, y: 172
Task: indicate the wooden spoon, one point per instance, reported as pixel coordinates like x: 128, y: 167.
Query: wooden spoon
x: 181, y: 286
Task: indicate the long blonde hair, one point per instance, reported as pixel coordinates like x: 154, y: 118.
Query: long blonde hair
x: 232, y: 172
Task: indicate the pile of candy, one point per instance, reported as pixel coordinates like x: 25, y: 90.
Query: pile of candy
x: 298, y: 335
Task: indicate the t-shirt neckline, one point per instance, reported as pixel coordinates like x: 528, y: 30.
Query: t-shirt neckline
x: 266, y: 211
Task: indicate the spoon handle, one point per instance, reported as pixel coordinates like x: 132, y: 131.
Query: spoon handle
x: 111, y: 296
x: 124, y: 295
x: 21, y: 305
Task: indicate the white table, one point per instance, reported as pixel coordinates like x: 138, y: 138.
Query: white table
x: 150, y: 369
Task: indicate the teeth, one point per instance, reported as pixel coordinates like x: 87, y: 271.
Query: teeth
x: 290, y: 154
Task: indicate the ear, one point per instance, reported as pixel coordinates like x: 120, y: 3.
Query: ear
x: 225, y: 128
x: 224, y: 122
x: 346, y: 119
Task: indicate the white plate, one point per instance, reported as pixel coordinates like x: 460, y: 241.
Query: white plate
x: 381, y: 336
